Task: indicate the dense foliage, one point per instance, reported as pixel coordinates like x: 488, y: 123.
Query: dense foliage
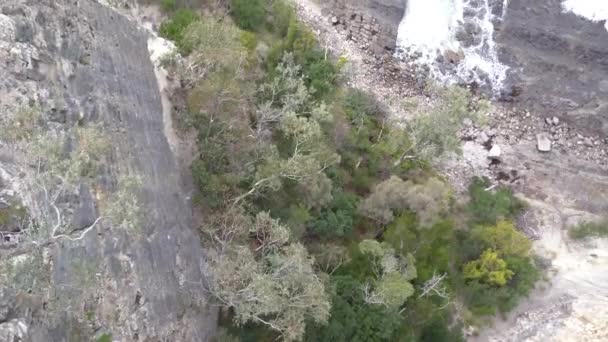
x: 326, y: 221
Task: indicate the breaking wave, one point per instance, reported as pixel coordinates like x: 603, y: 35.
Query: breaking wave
x: 454, y: 39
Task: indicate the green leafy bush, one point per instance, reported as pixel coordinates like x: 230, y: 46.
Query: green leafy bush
x: 282, y: 14
x: 589, y: 229
x: 174, y: 28
x: 168, y: 5
x: 430, y: 245
x: 248, y: 14
x: 440, y: 329
x: 488, y: 207
x: 352, y: 319
x: 485, y: 294
x: 489, y: 269
x: 337, y: 219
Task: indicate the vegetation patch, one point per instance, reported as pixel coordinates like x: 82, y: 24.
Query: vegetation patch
x: 324, y: 219
x: 589, y: 230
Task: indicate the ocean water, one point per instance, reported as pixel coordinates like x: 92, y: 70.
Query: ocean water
x: 595, y: 10
x: 430, y: 28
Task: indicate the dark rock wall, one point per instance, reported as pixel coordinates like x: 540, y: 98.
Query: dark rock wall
x: 559, y: 62
x: 86, y: 64
x: 372, y: 24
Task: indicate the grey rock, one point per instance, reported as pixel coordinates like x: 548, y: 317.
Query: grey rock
x: 555, y: 121
x: 495, y: 152
x: 386, y: 14
x: 562, y: 60
x: 7, y: 301
x: 7, y: 28
x: 483, y: 138
x: 163, y: 260
x: 543, y: 142
x: 14, y: 330
x: 454, y: 57
x: 262, y: 50
x: 467, y: 122
x: 85, y: 214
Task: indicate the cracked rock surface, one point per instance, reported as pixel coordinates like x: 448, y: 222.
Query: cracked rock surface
x: 80, y: 62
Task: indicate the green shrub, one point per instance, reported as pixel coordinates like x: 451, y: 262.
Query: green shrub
x: 483, y: 297
x: 168, y: 5
x: 248, y: 14
x: 338, y: 219
x: 105, y: 338
x: 589, y: 230
x: 282, y: 13
x: 488, y: 207
x: 297, y: 218
x: 352, y: 319
x: 249, y: 40
x: 440, y: 329
x: 321, y: 73
x: 22, y: 126
x: 174, y: 28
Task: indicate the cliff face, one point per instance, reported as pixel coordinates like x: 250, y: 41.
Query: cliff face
x: 559, y: 62
x: 372, y: 24
x: 79, y: 63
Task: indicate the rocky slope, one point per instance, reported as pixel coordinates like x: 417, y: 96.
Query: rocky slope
x: 559, y: 62
x: 372, y: 24
x: 80, y: 63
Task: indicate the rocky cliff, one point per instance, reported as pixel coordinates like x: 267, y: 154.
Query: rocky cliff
x: 372, y: 24
x: 559, y: 62
x: 80, y: 63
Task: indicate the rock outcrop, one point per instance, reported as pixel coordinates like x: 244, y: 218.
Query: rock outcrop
x: 559, y: 62
x: 79, y: 63
x: 372, y: 24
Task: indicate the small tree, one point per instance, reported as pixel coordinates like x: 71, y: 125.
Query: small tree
x: 393, y: 273
x: 428, y: 200
x: 248, y: 14
x: 489, y: 269
x: 434, y: 133
x: 288, y: 111
x: 504, y: 238
x: 266, y: 280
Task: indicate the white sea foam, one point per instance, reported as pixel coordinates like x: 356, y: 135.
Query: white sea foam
x: 430, y: 25
x: 595, y: 10
x: 429, y: 28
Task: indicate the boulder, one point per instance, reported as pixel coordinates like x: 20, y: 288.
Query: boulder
x: 543, y: 142
x: 454, y: 57
x: 13, y: 331
x: 484, y: 138
x: 495, y: 152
